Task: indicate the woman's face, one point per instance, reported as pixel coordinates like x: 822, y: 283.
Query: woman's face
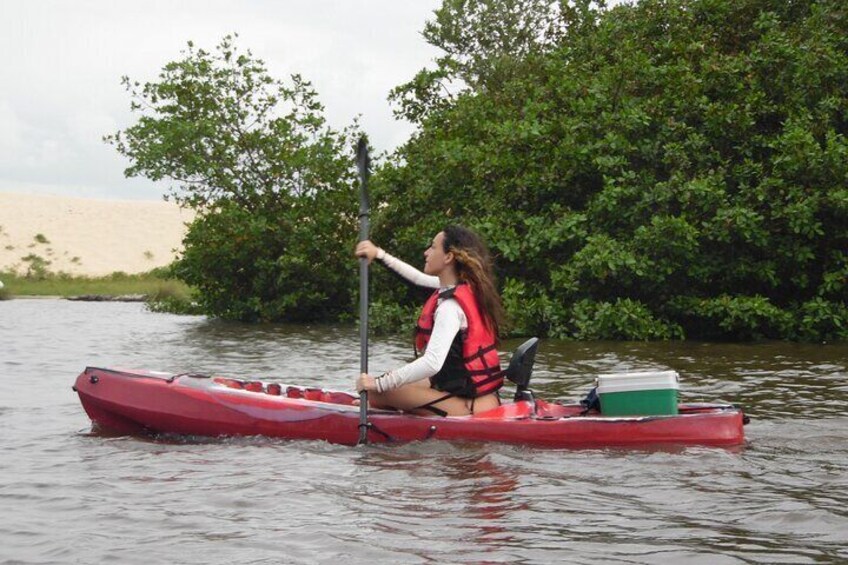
x: 435, y: 258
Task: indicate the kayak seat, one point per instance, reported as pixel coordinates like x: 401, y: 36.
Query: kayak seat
x: 520, y: 369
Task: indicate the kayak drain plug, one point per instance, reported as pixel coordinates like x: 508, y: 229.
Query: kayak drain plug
x: 93, y: 379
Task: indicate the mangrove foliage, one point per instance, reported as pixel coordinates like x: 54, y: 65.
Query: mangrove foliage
x: 659, y: 170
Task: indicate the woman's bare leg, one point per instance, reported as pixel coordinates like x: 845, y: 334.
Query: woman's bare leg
x: 486, y: 403
x: 411, y: 397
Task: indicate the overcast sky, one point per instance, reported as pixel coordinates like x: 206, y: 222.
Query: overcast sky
x: 61, y: 63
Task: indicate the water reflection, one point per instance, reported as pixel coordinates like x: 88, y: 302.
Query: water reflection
x: 473, y: 497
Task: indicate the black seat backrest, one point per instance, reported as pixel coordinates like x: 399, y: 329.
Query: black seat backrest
x: 521, y: 365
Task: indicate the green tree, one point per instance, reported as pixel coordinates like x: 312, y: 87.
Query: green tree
x: 273, y: 185
x: 664, y: 169
x: 483, y: 42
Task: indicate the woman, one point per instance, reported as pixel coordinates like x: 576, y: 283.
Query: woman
x: 459, y: 372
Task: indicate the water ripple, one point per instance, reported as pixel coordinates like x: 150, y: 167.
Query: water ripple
x: 81, y: 496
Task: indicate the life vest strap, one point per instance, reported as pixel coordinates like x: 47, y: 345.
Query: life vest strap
x: 447, y: 293
x: 480, y: 353
x: 497, y: 375
x: 485, y: 371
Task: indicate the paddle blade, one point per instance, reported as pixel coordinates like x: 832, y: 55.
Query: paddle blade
x: 363, y: 163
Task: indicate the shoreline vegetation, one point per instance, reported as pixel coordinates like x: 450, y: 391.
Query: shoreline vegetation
x: 664, y: 170
x: 158, y: 288
x: 660, y: 170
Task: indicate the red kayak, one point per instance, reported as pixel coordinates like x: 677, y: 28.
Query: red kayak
x: 144, y: 402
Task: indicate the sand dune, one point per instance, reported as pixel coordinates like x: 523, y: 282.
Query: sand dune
x: 91, y: 237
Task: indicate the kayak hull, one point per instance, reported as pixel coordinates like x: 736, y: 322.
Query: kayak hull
x: 146, y: 402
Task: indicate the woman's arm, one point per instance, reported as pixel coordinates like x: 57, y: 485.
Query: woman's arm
x: 370, y: 251
x: 449, y: 319
x: 407, y: 271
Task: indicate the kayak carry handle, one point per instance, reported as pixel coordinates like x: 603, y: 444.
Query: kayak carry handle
x: 521, y: 368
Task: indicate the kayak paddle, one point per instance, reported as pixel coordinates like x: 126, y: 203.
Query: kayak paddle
x: 362, y: 163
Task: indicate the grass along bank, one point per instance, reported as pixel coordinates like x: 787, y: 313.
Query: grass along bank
x: 155, y: 286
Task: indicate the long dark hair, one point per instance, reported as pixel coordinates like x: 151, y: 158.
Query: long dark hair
x: 474, y: 266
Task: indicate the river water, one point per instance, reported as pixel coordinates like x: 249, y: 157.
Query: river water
x: 68, y: 495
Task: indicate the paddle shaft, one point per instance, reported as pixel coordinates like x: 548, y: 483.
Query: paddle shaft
x: 363, y: 330
x: 362, y: 162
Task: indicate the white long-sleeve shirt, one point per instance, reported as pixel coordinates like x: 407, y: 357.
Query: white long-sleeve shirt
x: 448, y: 320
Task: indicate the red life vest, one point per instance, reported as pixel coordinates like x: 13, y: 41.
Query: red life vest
x: 472, y: 368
